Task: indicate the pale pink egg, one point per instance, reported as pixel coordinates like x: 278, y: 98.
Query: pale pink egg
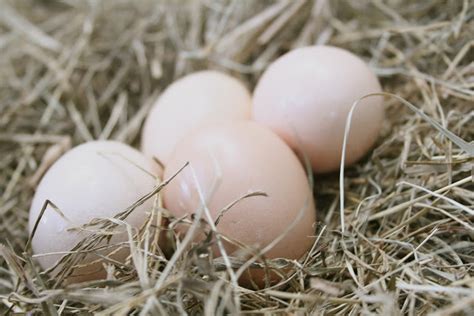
x: 229, y: 160
x: 305, y: 97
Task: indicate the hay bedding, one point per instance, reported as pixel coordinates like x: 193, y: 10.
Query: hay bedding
x: 72, y: 71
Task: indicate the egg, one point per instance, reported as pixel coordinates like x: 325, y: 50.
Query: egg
x: 305, y: 97
x: 230, y: 160
x: 192, y: 101
x: 94, y: 180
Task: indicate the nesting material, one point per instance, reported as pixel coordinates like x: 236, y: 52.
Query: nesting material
x: 394, y: 235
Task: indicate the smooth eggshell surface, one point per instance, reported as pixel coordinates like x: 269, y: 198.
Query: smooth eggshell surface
x: 305, y: 97
x: 192, y: 101
x: 94, y: 180
x: 231, y: 160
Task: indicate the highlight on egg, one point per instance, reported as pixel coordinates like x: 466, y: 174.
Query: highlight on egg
x: 197, y: 99
x: 228, y: 161
x: 305, y: 97
x: 95, y: 180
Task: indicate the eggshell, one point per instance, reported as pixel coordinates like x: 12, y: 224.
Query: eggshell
x: 194, y: 100
x: 305, y: 97
x: 230, y: 160
x: 94, y: 180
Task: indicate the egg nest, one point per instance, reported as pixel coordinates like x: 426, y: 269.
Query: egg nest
x: 73, y: 71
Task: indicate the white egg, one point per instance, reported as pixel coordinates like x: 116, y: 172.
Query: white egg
x: 94, y: 180
x: 190, y: 102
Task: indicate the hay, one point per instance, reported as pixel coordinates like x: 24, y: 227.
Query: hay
x: 72, y: 71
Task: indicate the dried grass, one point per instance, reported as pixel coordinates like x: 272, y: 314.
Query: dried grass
x: 72, y: 71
